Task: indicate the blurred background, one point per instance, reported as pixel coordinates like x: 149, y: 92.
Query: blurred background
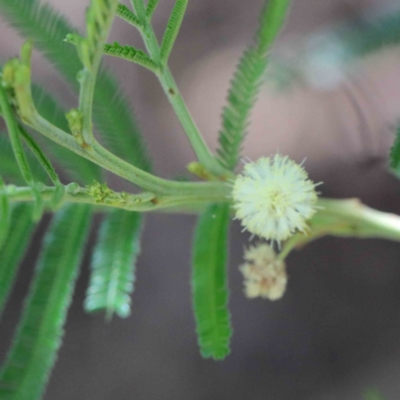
x: 332, y: 94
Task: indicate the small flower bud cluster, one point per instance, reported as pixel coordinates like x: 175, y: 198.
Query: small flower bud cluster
x: 264, y: 275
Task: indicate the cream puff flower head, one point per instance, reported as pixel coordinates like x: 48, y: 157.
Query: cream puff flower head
x: 273, y: 197
x: 264, y: 274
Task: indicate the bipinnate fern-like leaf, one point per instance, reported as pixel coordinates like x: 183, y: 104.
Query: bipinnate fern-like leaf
x: 38, y: 337
x: 14, y: 247
x: 132, y: 54
x: 113, y: 264
x: 246, y: 84
x: 209, y: 282
x: 172, y: 29
x: 112, y: 115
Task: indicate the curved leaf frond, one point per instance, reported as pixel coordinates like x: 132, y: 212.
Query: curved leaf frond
x: 171, y: 32
x: 99, y: 18
x: 38, y: 338
x: 132, y: 54
x: 246, y: 84
x: 14, y: 248
x: 113, y: 264
x: 127, y: 15
x: 209, y: 282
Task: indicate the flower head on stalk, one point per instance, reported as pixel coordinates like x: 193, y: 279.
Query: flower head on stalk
x: 273, y: 197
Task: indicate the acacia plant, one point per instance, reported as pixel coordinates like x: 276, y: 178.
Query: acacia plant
x: 273, y: 197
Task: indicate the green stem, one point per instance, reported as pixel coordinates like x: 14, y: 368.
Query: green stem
x: 346, y: 218
x: 102, y: 157
x: 170, y: 88
x: 144, y: 202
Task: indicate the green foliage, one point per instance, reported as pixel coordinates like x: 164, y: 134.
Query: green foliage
x: 13, y: 250
x: 112, y: 115
x: 209, y: 282
x: 39, y: 334
x: 113, y: 264
x: 395, y: 155
x: 246, y: 84
x: 132, y: 54
x: 171, y: 32
x: 151, y: 7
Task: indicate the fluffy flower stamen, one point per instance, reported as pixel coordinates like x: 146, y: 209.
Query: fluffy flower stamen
x: 274, y: 198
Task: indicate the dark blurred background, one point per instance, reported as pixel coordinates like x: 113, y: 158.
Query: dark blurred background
x: 332, y: 95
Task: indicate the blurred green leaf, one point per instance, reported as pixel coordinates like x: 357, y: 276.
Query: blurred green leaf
x: 38, y: 337
x: 209, y: 282
x: 14, y: 248
x: 246, y: 84
x: 113, y: 264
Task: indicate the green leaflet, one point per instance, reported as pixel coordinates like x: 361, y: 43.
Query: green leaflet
x: 171, y: 32
x: 33, y: 352
x: 132, y: 54
x: 151, y: 7
x: 13, y: 250
x: 4, y: 215
x: 111, y: 113
x: 113, y: 264
x: 395, y: 155
x: 246, y: 84
x: 77, y: 168
x: 209, y: 282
